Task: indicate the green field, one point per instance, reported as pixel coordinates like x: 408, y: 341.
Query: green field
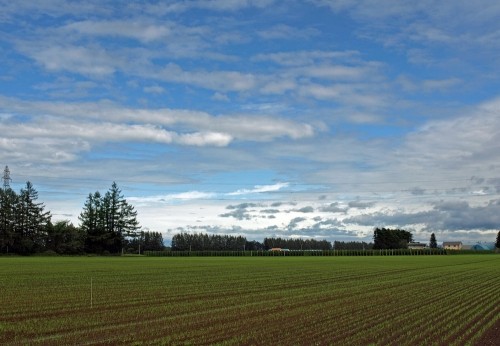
x: 417, y: 300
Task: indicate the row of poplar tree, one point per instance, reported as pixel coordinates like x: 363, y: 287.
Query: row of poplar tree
x: 216, y: 242
x: 108, y: 224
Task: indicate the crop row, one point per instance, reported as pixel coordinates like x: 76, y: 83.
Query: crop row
x: 342, y: 300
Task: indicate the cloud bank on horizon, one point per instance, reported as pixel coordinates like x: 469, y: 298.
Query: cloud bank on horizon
x: 313, y: 118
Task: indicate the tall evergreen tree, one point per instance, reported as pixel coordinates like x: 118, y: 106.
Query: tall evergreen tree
x: 30, y: 222
x: 8, y: 204
x: 107, y: 220
x: 497, y: 244
x: 121, y: 218
x: 92, y: 225
x: 433, y: 243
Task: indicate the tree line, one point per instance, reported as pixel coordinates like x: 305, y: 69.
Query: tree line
x: 297, y: 244
x: 108, y: 225
x: 206, y: 242
x: 215, y: 242
x: 352, y: 245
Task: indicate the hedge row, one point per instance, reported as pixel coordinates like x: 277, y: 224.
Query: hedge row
x: 387, y: 252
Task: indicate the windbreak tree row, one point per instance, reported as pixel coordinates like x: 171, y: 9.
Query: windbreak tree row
x: 108, y: 225
x: 108, y: 220
x: 297, y: 244
x: 203, y: 241
x: 23, y: 221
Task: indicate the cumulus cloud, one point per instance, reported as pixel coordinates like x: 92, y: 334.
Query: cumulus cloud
x: 335, y: 207
x: 239, y: 211
x: 270, y: 211
x: 307, y: 209
x: 293, y: 224
x: 443, y: 216
x: 360, y: 204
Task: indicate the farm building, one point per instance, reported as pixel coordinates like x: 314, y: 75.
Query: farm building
x: 452, y: 245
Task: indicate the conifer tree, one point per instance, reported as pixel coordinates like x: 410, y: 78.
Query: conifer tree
x: 497, y: 244
x: 8, y: 203
x: 92, y: 224
x: 30, y: 221
x: 107, y: 220
x: 433, y: 243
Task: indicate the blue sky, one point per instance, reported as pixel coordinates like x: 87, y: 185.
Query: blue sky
x: 316, y: 118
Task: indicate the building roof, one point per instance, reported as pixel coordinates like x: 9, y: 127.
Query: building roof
x: 452, y: 243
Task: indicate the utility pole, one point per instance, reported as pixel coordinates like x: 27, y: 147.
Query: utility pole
x: 6, y: 178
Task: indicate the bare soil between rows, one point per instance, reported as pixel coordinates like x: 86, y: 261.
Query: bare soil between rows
x: 491, y: 336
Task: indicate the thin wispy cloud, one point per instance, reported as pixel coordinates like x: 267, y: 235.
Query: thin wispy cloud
x: 259, y: 189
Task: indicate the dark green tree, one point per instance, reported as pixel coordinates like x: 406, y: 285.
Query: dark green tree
x: 121, y: 219
x: 92, y: 224
x: 107, y: 221
x: 352, y: 245
x: 497, y: 244
x: 385, y: 238
x: 254, y: 245
x: 204, y: 242
x: 8, y: 203
x: 152, y: 241
x: 30, y: 222
x: 297, y: 244
x: 64, y: 238
x: 433, y: 243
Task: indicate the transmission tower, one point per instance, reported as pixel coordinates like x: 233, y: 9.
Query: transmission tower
x: 6, y: 178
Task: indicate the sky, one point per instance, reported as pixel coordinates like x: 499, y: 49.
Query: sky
x: 319, y: 119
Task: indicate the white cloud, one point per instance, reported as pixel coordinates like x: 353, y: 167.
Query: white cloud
x: 221, y: 81
x: 457, y: 24
x: 207, y: 138
x: 441, y: 84
x: 260, y: 189
x: 468, y: 141
x: 154, y: 89
x: 133, y: 29
x: 182, y: 196
x: 282, y: 31
x: 307, y: 58
x: 76, y: 59
x: 205, y: 128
